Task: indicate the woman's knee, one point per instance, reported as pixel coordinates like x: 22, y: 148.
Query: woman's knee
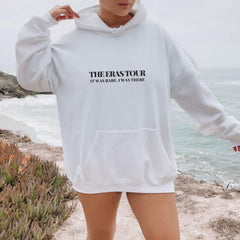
x: 101, y: 233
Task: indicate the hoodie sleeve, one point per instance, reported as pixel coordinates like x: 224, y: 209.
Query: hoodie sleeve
x: 195, y: 98
x: 36, y: 70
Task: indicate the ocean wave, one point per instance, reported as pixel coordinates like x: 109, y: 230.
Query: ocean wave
x: 236, y: 83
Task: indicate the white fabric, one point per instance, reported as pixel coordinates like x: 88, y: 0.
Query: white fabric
x: 113, y: 88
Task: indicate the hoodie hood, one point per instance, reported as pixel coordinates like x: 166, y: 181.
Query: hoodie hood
x: 90, y: 20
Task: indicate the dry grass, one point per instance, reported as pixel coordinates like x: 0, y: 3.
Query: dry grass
x: 226, y: 228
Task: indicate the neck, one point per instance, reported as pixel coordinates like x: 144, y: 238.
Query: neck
x: 113, y: 20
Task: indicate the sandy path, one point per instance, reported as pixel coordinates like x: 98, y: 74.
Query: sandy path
x: 198, y: 203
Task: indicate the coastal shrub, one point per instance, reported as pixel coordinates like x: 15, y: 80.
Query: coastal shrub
x: 225, y: 227
x: 33, y: 195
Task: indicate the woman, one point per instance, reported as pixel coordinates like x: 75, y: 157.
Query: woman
x: 113, y: 76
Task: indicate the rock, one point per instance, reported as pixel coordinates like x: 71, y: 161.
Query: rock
x: 9, y: 87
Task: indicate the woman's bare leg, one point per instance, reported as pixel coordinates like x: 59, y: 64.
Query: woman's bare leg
x: 100, y: 210
x: 156, y: 214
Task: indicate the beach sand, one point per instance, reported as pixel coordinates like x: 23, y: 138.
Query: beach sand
x: 205, y: 210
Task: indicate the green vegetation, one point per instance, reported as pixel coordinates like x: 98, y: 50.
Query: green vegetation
x: 33, y: 195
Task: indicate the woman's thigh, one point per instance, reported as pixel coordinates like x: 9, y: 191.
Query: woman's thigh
x: 100, y: 210
x: 156, y: 214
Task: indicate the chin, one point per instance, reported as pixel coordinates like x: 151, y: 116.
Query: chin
x: 122, y: 13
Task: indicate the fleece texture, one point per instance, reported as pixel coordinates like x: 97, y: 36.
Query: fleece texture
x: 113, y: 88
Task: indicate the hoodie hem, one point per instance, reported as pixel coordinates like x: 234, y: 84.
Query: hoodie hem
x: 143, y: 188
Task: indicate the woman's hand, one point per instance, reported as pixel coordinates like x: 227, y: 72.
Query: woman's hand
x: 63, y: 12
x: 236, y: 148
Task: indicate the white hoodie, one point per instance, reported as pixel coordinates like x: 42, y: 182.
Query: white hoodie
x: 113, y: 88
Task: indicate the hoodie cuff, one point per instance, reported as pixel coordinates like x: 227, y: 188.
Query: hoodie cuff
x: 230, y: 129
x: 50, y: 20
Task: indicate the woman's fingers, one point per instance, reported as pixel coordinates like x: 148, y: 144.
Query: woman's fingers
x: 63, y: 12
x: 69, y: 9
x: 236, y: 148
x: 64, y: 17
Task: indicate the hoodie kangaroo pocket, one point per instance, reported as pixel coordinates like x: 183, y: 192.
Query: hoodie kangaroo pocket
x: 127, y: 157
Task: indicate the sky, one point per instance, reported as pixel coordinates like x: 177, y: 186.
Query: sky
x: 209, y: 30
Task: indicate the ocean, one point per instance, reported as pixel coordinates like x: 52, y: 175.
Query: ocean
x: 202, y: 157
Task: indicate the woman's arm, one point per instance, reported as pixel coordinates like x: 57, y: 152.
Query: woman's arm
x: 36, y: 68
x: 195, y: 98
